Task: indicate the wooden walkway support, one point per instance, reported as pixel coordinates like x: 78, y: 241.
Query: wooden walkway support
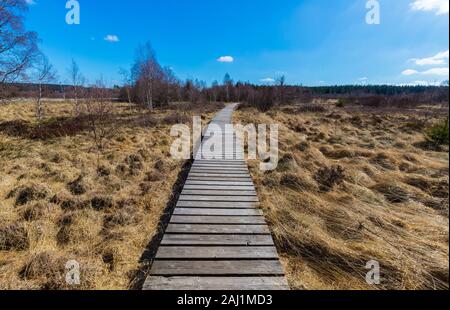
x: 217, y: 238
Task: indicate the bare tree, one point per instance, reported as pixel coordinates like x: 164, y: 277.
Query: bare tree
x: 281, y: 89
x: 43, y: 73
x: 18, y: 47
x: 215, y: 90
x: 228, y: 83
x: 77, y: 80
x: 147, y: 74
x: 171, y: 85
x: 101, y: 117
x: 62, y: 88
x: 127, y: 82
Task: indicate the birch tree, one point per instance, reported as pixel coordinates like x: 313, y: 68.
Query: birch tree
x: 43, y: 73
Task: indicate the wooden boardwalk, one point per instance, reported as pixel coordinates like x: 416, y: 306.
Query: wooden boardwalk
x: 217, y: 238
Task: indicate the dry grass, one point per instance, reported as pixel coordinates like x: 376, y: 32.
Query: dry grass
x: 353, y: 187
x: 60, y: 202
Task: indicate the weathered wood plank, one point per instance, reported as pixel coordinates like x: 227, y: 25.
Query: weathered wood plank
x: 218, y: 187
x: 217, y: 179
x: 201, y: 192
x: 219, y: 268
x: 221, y: 162
x: 219, y: 198
x: 224, y: 240
x: 216, y: 252
x: 219, y: 171
x: 216, y: 283
x: 217, y: 212
x: 210, y: 219
x: 219, y: 183
x: 217, y: 205
x: 219, y: 175
x: 217, y: 229
x: 225, y: 167
x: 220, y: 165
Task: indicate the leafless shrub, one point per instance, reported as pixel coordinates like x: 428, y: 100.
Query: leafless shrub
x: 328, y: 177
x: 101, y: 118
x: 77, y: 85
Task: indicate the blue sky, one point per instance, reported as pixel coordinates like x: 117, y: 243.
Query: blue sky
x: 311, y: 42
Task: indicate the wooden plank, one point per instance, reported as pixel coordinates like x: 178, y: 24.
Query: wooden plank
x: 220, y: 183
x: 216, y: 252
x: 233, y: 174
x: 216, y: 283
x: 217, y: 229
x: 220, y: 162
x: 218, y: 187
x: 217, y: 179
x: 212, y: 219
x: 219, y: 268
x: 219, y: 166
x: 219, y: 175
x: 217, y: 192
x: 217, y: 212
x: 224, y: 240
x: 219, y: 198
x: 217, y: 205
x: 220, y: 171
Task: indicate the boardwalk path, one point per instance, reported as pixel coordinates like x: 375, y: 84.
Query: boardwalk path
x: 217, y: 239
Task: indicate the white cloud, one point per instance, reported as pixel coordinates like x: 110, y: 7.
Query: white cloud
x: 439, y: 6
x: 112, y: 38
x: 434, y: 71
x: 438, y: 59
x: 410, y: 72
x: 30, y: 2
x: 363, y: 79
x: 267, y: 80
x: 437, y: 71
x: 225, y: 59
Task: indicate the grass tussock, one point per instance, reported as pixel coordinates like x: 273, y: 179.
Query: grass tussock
x: 62, y: 198
x: 356, y: 186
